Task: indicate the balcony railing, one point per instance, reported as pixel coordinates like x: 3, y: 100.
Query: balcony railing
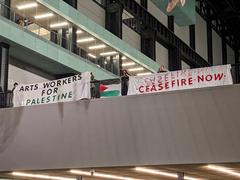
x: 36, y: 27
x: 6, y: 99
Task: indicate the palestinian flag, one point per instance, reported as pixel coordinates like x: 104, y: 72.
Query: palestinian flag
x: 110, y: 90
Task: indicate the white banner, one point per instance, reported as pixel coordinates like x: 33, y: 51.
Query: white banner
x: 178, y: 80
x: 62, y: 90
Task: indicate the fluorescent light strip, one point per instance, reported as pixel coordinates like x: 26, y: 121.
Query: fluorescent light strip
x: 92, y: 56
x: 99, y: 46
x: 40, y: 176
x: 152, y: 171
x: 161, y: 173
x: 223, y: 170
x: 27, y: 6
x: 124, y: 58
x: 85, y: 40
x: 136, y: 69
x: 100, y: 175
x: 144, y: 74
x: 108, y: 53
x: 58, y: 24
x: 79, y: 31
x: 128, y: 64
x: 42, y: 16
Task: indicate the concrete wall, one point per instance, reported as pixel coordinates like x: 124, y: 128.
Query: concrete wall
x: 230, y: 55
x: 138, y: 1
x: 92, y: 10
x: 131, y: 37
x: 185, y: 65
x: 161, y: 55
x: 22, y: 76
x: 182, y: 33
x: 231, y: 60
x: 217, y: 48
x: 179, y: 127
x: 201, y: 36
x: 157, y: 13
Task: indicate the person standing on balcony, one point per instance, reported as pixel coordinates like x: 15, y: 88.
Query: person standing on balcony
x: 93, y: 86
x: 14, y: 86
x: 124, y: 82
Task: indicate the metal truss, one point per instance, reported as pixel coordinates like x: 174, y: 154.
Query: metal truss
x: 208, y: 12
x: 142, y: 19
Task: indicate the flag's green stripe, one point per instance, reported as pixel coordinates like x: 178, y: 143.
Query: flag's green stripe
x: 110, y: 93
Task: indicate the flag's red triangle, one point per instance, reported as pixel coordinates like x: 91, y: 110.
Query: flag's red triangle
x: 102, y: 88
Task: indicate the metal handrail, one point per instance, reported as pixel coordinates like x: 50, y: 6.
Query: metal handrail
x: 6, y: 99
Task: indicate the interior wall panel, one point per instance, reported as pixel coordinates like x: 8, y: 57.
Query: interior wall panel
x: 157, y: 13
x: 182, y: 32
x: 161, y: 55
x: 179, y: 127
x: 185, y: 65
x: 231, y: 60
x: 22, y: 76
x: 201, y: 36
x: 131, y: 37
x: 92, y: 10
x: 217, y: 48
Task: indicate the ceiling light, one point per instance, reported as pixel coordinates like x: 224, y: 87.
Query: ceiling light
x: 99, y: 46
x: 40, y: 176
x: 124, y: 58
x: 84, y: 40
x: 162, y: 173
x: 152, y: 171
x: 136, y: 69
x: 108, y: 53
x: 100, y: 175
x: 128, y: 64
x: 105, y: 62
x: 144, y: 74
x: 27, y: 6
x: 56, y: 25
x: 86, y: 173
x: 79, y: 31
x: 42, y: 16
x: 223, y: 170
x: 92, y: 56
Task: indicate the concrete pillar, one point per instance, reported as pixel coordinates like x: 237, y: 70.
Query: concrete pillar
x: 114, y: 17
x: 148, y: 43
x: 4, y: 65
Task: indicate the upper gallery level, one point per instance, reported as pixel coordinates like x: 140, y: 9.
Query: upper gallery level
x: 61, y: 24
